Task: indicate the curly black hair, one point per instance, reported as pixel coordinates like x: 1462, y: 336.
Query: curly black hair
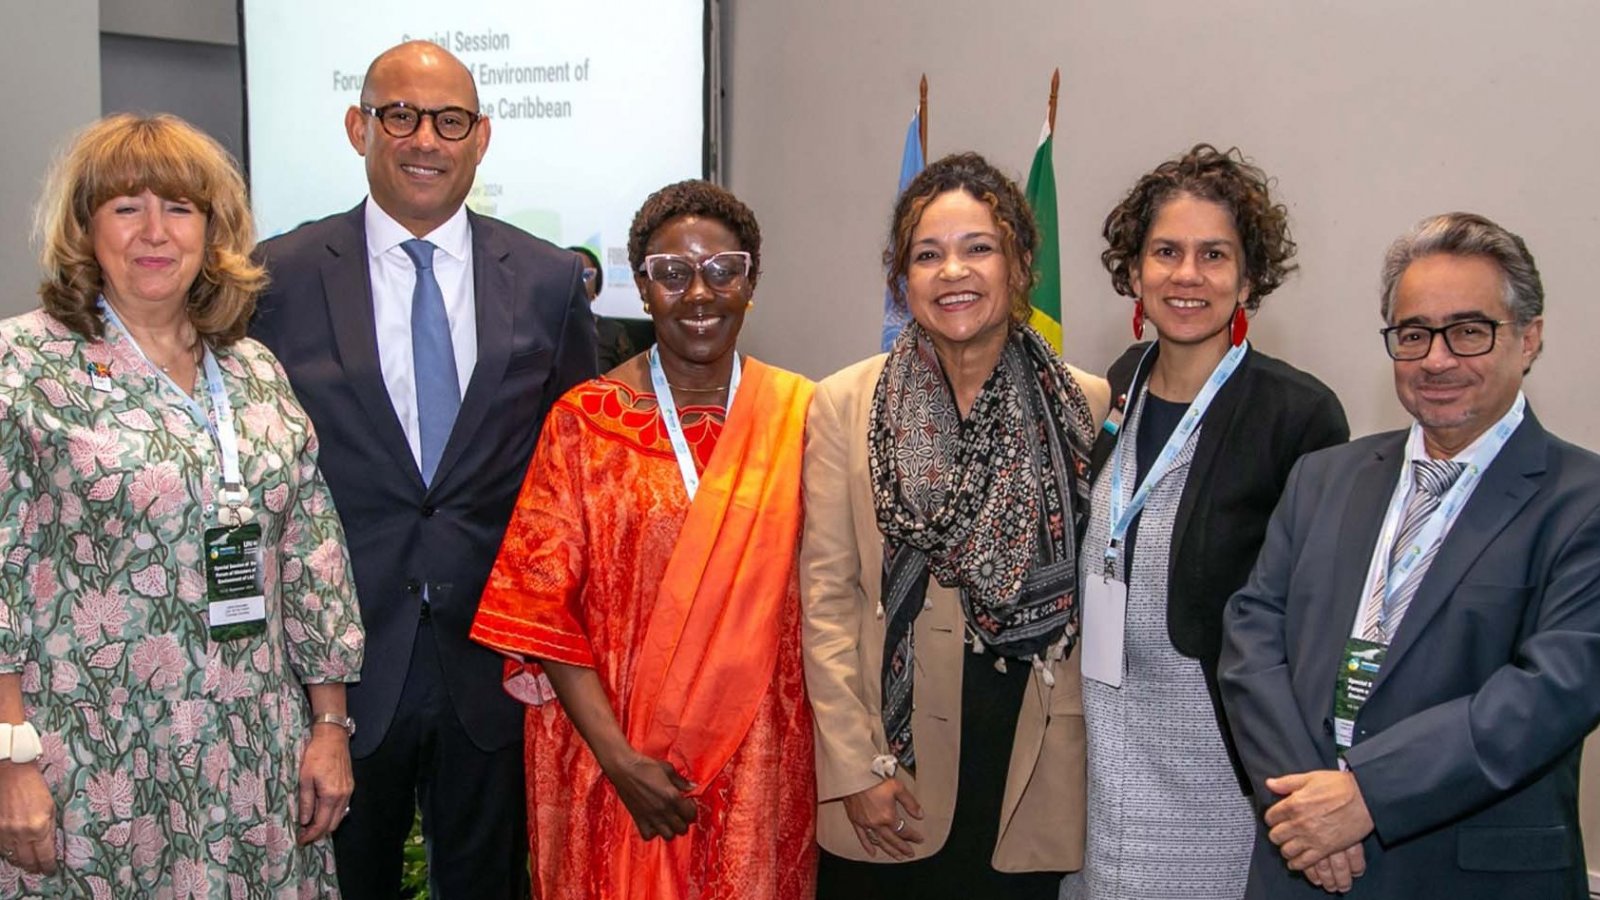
x: 695, y: 198
x: 1221, y: 177
x: 972, y: 173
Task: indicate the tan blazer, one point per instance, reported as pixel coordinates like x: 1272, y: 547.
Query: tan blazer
x: 841, y: 558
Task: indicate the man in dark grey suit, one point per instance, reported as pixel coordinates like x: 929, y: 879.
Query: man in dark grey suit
x: 427, y: 343
x: 1412, y: 668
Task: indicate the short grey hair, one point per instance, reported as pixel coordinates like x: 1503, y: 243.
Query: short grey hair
x: 1468, y: 234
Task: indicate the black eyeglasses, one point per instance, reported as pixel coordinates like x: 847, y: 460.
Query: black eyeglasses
x: 400, y: 119
x: 1472, y: 337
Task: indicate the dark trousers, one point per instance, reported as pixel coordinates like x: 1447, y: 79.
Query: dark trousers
x: 474, y: 816
x: 991, y: 703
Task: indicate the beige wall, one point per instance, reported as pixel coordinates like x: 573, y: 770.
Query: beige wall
x: 200, y: 21
x: 1371, y: 114
x: 55, y: 49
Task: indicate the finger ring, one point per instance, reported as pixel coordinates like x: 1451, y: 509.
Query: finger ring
x: 899, y: 826
x: 871, y: 836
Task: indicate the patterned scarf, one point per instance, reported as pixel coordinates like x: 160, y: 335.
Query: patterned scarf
x: 984, y: 504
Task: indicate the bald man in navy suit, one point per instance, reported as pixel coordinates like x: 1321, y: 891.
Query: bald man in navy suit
x: 427, y: 343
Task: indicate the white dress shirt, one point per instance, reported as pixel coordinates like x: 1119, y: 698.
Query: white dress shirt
x: 394, y: 277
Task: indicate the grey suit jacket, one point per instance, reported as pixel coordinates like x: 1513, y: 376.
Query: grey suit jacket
x: 535, y: 340
x: 1467, y: 751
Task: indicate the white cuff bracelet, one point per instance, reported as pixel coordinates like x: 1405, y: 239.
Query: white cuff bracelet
x: 19, y: 743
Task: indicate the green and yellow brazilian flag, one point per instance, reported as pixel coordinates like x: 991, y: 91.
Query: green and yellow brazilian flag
x: 1046, y: 317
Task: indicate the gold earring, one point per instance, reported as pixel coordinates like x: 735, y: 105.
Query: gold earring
x: 750, y: 304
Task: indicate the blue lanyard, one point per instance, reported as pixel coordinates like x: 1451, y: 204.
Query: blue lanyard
x: 1432, y: 530
x: 1123, y: 513
x: 222, y: 431
x: 669, y: 415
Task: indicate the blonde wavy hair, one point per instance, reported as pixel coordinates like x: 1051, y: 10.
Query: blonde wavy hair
x: 125, y: 155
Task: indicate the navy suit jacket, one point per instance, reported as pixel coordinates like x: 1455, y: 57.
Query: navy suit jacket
x: 535, y: 340
x: 1467, y: 750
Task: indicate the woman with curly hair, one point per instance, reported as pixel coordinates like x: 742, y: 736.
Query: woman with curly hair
x: 1203, y: 432
x: 945, y: 486
x: 177, y: 615
x: 647, y: 582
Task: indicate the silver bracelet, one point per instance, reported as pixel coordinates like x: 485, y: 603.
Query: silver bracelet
x: 345, y: 722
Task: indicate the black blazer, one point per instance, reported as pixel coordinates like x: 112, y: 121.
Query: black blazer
x: 535, y: 339
x: 1468, y: 748
x: 1264, y: 418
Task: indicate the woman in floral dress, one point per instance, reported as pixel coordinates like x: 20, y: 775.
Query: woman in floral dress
x: 192, y: 738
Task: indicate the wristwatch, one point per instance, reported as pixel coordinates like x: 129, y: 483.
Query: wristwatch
x: 345, y: 722
x: 19, y: 743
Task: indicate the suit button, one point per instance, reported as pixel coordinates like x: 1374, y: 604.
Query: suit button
x: 428, y: 511
x: 413, y: 586
x: 1327, y: 726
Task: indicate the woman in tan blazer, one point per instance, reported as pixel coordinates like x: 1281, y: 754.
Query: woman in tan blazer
x: 944, y: 491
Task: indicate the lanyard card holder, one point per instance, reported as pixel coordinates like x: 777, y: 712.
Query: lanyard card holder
x: 237, y: 605
x: 1105, y: 612
x: 1358, y: 672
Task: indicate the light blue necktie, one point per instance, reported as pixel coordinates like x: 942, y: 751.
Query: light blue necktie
x: 433, y: 360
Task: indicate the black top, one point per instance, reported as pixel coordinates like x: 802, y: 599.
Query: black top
x: 612, y: 344
x: 1157, y: 423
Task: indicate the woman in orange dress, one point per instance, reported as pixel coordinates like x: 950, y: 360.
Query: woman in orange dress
x: 647, y: 594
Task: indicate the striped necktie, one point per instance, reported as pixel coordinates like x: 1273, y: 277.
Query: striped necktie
x: 1433, y: 478
x: 433, y: 360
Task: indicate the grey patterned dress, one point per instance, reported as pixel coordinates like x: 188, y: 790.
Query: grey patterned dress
x: 1166, y: 815
x: 173, y: 759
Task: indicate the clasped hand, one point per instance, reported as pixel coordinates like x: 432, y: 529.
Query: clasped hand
x: 879, y: 815
x: 1318, y: 826
x: 654, y: 793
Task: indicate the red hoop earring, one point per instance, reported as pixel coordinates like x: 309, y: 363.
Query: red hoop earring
x: 1138, y: 320
x: 1240, y: 326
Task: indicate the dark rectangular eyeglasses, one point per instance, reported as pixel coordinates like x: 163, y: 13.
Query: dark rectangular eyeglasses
x: 1470, y: 337
x: 401, y: 119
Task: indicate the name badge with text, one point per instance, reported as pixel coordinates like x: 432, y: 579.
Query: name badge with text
x: 1358, y: 672
x: 236, y: 601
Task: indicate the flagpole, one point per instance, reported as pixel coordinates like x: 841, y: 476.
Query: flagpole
x: 922, y: 115
x: 1055, y: 89
x: 913, y: 159
x: 1041, y: 192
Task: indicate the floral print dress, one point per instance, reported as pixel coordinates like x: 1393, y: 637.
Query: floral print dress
x: 173, y: 759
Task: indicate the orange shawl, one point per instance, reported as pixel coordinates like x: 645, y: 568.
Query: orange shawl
x: 709, y: 649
